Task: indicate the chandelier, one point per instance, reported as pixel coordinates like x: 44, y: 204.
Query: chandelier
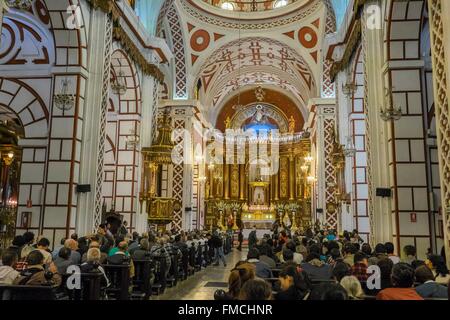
x: 64, y: 101
x: 19, y: 4
x: 349, y: 88
x: 118, y: 85
x: 349, y: 149
x: 133, y: 139
x: 392, y: 112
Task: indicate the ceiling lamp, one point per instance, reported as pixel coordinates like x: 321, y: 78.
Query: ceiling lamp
x: 64, y: 101
x: 391, y: 112
x: 119, y: 85
x: 280, y: 3
x: 227, y: 6
x: 349, y: 149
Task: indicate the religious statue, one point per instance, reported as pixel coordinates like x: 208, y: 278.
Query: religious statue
x: 292, y: 125
x: 228, y: 123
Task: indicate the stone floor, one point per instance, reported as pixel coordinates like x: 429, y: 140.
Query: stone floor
x: 196, y: 287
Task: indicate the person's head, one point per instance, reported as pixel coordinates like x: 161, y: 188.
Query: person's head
x: 331, y: 291
x: 135, y: 236
x: 314, y: 248
x: 18, y: 241
x: 402, y: 276
x: 254, y: 228
x: 389, y: 247
x: 360, y: 257
x: 380, y: 249
x: 288, y: 255
x: 290, y: 245
x: 290, y: 276
x: 349, y: 249
x: 366, y: 249
x: 239, y: 276
x: 256, y: 289
x: 417, y: 263
x: 423, y: 274
x: 43, y: 243
x: 340, y: 270
x: 335, y: 253
x: 74, y: 236
x: 71, y: 244
x: 61, y: 242
x: 28, y: 237
x: 94, y: 244
x: 409, y: 251
x: 353, y: 287
x: 93, y: 255
x: 312, y: 256
x: 437, y: 264
x: 385, y: 266
x: 253, y: 253
x: 64, y: 253
x: 9, y: 258
x: 123, y: 246
x: 145, y: 245
x: 35, y: 258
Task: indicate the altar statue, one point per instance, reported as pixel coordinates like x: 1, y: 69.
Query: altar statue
x: 228, y: 123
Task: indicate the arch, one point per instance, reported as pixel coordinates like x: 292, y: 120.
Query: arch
x: 27, y: 105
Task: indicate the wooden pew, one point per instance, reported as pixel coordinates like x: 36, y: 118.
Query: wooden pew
x: 119, y: 276
x: 160, y: 275
x: 143, y: 279
x: 90, y: 287
x: 13, y: 292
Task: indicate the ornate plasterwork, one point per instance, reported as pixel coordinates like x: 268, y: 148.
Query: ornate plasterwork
x: 202, y: 16
x: 270, y: 111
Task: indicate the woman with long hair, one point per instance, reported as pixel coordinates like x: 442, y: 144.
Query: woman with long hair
x: 294, y: 283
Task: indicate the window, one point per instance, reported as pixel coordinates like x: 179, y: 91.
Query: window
x: 227, y: 6
x: 280, y: 3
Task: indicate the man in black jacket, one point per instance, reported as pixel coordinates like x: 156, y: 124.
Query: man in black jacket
x: 252, y: 238
x: 215, y: 241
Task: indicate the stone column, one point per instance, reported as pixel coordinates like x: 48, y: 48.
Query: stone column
x: 325, y: 126
x: 92, y: 149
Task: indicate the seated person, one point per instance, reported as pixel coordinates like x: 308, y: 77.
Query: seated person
x: 293, y: 283
x: 316, y: 268
x: 341, y: 270
x: 359, y: 269
x: 42, y: 246
x: 328, y: 291
x: 439, y: 268
x: 103, y: 255
x: 242, y: 273
x: 264, y: 256
x: 143, y: 252
x: 62, y: 262
x: 262, y: 269
x: 75, y: 256
x: 353, y: 287
x: 93, y: 257
x: 122, y: 257
x: 287, y: 257
x: 409, y: 252
x: 35, y: 273
x: 7, y: 272
x: 402, y: 278
x: 256, y: 289
x: 429, y: 288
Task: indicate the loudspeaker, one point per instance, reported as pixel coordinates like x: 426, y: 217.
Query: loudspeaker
x: 83, y: 188
x: 384, y: 192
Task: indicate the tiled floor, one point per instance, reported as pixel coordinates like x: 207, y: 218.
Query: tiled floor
x: 194, y: 287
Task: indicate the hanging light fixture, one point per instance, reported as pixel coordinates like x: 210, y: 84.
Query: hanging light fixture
x: 64, y: 100
x: 19, y: 4
x: 349, y: 149
x: 392, y: 112
x: 119, y: 85
x: 349, y: 88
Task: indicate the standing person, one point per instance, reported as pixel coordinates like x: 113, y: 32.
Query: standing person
x: 252, y: 238
x: 215, y: 241
x: 240, y: 239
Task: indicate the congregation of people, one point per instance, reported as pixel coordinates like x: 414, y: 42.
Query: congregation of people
x: 322, y: 265
x: 152, y: 261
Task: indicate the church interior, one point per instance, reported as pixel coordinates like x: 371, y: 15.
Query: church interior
x: 154, y: 147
